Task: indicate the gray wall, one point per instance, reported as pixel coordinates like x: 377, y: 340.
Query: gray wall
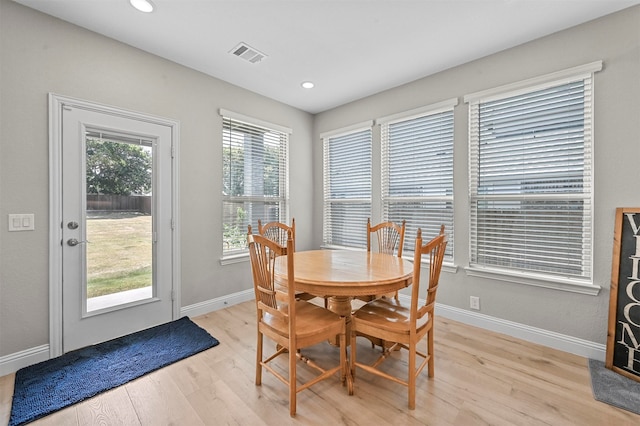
x: 615, y: 39
x: 40, y: 54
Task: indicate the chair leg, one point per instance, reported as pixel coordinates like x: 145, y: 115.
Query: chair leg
x: 412, y: 375
x: 346, y: 375
x: 292, y: 382
x: 343, y: 357
x: 259, y: 360
x: 430, y: 353
x: 352, y: 362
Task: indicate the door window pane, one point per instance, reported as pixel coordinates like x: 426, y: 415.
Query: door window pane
x: 119, y: 221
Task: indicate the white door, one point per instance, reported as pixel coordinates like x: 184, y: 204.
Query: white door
x: 116, y: 208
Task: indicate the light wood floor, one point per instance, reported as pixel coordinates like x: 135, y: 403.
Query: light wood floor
x: 481, y: 378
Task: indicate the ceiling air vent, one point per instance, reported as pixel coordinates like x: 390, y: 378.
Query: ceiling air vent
x: 248, y: 53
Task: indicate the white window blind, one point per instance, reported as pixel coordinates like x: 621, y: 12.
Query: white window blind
x: 255, y: 179
x: 531, y: 180
x: 417, y: 174
x: 347, y: 188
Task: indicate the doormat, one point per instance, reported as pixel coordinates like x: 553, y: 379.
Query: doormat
x: 49, y: 386
x: 613, y: 388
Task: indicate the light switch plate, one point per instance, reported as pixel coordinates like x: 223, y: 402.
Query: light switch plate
x: 22, y: 222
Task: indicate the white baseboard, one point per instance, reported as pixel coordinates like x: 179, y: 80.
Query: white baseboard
x: 13, y: 362
x: 562, y: 342
x: 217, y: 303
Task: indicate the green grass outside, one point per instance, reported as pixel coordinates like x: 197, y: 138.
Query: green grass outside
x: 119, y: 252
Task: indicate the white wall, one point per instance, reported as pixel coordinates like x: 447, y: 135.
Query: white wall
x: 40, y: 54
x: 615, y: 39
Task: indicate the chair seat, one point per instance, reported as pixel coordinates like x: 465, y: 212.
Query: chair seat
x: 312, y: 321
x: 371, y: 297
x: 389, y: 315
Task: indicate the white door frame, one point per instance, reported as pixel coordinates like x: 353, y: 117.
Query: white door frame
x: 56, y: 105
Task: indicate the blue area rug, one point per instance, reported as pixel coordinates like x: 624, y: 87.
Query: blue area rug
x: 49, y: 386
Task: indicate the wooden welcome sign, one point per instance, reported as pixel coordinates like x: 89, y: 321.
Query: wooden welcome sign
x: 623, y: 334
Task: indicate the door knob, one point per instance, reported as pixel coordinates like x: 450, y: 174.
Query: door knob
x: 74, y: 242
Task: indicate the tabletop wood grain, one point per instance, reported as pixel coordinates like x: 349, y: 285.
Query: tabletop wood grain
x: 346, y: 272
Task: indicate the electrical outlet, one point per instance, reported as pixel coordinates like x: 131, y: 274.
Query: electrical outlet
x: 474, y: 302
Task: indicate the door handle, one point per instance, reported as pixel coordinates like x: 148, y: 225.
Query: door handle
x: 74, y: 242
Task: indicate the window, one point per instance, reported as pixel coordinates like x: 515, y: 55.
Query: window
x: 531, y: 178
x: 255, y: 177
x: 347, y: 187
x: 417, y: 171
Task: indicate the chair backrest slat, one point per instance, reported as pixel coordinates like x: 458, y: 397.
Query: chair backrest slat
x: 435, y: 248
x: 389, y: 236
x: 278, y: 231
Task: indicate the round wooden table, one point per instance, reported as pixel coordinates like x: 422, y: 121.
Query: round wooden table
x: 341, y: 275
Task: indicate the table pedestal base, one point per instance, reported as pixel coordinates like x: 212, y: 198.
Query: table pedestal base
x: 341, y: 305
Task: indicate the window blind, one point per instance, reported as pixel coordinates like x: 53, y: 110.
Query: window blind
x: 531, y: 180
x: 255, y: 179
x: 347, y: 188
x: 417, y: 175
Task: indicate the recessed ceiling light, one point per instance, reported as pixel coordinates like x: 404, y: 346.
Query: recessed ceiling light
x: 142, y: 5
x: 307, y: 84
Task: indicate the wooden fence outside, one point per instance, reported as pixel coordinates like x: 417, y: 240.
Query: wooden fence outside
x: 128, y: 203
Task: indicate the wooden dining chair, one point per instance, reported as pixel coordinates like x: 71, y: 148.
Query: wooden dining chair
x: 403, y: 326
x: 390, y: 236
x: 278, y: 231
x: 390, y: 240
x: 292, y: 324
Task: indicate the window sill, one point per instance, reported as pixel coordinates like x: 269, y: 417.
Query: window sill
x: 234, y: 258
x: 449, y: 267
x: 570, y: 285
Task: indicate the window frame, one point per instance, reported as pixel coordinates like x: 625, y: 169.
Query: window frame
x: 584, y: 285
x: 284, y: 134
x: 327, y: 137
x: 446, y: 106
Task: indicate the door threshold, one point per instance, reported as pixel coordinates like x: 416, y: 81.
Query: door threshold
x: 120, y: 298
